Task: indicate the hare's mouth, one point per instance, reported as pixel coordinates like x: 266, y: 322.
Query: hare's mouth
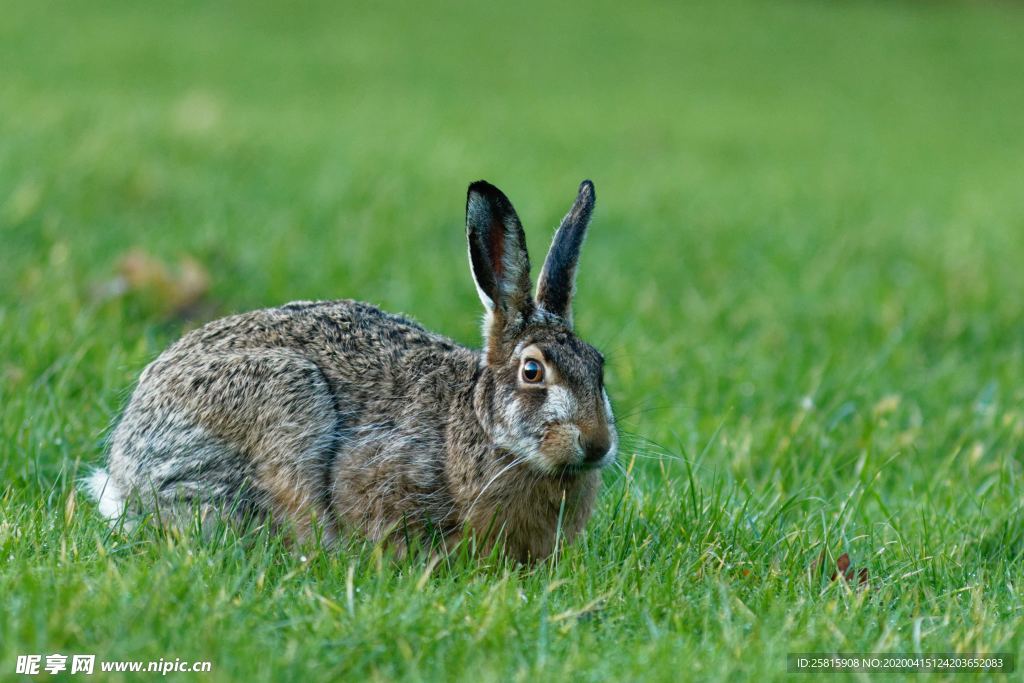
x: 578, y: 468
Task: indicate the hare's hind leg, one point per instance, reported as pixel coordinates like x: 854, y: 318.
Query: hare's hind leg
x: 254, y: 429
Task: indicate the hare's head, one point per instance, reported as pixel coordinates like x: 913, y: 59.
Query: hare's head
x: 541, y: 394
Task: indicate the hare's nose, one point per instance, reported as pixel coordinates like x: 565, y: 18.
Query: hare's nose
x: 595, y: 447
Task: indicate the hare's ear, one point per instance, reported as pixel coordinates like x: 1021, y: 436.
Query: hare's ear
x: 557, y: 280
x: 500, y: 263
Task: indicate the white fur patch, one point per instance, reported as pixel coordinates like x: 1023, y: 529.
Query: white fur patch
x: 559, y: 404
x: 607, y: 407
x: 108, y: 496
x: 613, y: 450
x: 484, y: 299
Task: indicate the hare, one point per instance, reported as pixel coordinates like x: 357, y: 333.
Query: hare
x: 366, y: 422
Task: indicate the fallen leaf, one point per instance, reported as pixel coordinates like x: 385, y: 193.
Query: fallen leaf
x: 173, y: 292
x: 842, y: 564
x: 847, y: 572
x: 843, y: 569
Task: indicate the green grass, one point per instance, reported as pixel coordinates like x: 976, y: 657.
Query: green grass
x: 805, y: 268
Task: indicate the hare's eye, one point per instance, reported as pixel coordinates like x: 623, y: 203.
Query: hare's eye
x: 533, y: 372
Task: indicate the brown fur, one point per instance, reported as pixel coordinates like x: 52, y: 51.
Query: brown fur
x: 366, y: 422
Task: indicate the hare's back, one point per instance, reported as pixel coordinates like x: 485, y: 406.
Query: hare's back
x: 346, y: 339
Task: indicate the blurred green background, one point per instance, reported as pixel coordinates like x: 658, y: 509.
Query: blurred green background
x: 805, y: 267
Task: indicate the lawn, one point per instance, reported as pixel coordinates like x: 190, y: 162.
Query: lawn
x: 805, y: 269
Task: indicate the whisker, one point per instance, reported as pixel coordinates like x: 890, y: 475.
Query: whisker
x: 637, y: 444
x: 502, y: 471
x: 642, y: 410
